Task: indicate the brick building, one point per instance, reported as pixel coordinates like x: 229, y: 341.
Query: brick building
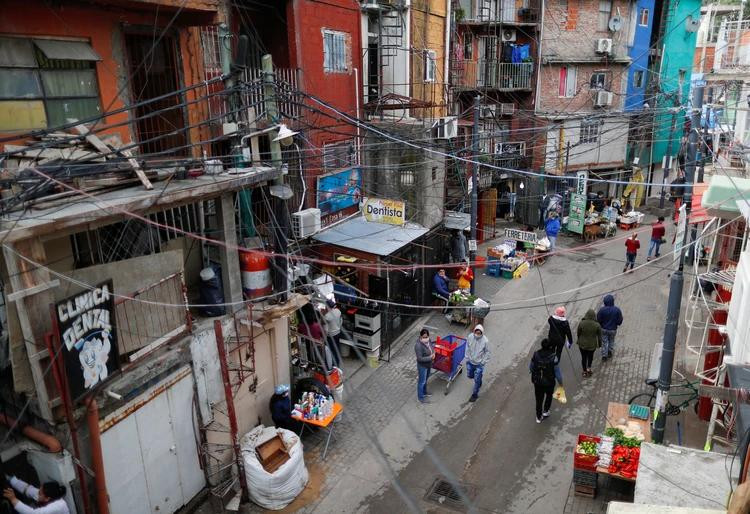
x: 582, y: 86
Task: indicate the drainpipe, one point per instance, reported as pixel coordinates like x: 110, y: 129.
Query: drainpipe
x: 97, y: 461
x: 48, y: 441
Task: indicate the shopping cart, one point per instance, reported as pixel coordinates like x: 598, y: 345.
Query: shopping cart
x: 449, y: 358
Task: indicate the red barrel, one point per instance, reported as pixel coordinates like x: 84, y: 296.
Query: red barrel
x: 256, y: 274
x: 711, y: 360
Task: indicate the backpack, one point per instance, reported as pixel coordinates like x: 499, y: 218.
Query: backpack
x: 543, y: 370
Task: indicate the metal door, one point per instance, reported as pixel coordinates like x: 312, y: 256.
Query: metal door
x: 191, y: 475
x: 159, y: 454
x: 123, y: 468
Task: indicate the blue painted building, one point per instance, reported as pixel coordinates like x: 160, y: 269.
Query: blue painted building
x: 639, y: 54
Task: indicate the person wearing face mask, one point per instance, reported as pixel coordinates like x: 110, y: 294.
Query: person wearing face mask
x: 50, y: 497
x: 477, y: 356
x: 425, y: 355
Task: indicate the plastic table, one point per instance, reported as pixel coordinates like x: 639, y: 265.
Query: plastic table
x: 326, y: 424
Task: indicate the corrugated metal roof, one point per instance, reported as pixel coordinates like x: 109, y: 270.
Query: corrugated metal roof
x: 376, y: 238
x: 73, y: 50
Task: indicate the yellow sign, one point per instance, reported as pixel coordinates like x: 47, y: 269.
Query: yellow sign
x: 391, y: 212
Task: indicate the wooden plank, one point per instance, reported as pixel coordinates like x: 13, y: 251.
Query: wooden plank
x: 17, y: 295
x: 105, y: 149
x: 137, y: 168
x: 33, y: 311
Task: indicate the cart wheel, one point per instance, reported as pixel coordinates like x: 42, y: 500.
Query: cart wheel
x: 447, y: 388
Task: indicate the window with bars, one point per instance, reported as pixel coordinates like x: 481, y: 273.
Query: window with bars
x: 335, y: 51
x: 468, y: 45
x: 132, y: 237
x: 638, y: 77
x: 598, y: 80
x: 589, y: 132
x: 43, y: 82
x: 429, y: 65
x: 338, y: 155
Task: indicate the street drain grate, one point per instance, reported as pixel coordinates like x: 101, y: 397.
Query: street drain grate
x: 444, y: 493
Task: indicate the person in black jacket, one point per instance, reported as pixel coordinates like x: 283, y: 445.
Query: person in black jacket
x: 542, y: 369
x: 281, y: 409
x: 425, y: 355
x: 559, y: 331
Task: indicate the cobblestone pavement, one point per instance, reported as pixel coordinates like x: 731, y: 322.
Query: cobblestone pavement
x: 389, y: 449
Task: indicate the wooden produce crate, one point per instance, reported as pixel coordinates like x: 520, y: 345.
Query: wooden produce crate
x: 584, y: 490
x: 272, y: 454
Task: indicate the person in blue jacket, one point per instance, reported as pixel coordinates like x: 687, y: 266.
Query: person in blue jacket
x: 281, y: 409
x: 440, y: 288
x: 552, y: 228
x: 609, y: 317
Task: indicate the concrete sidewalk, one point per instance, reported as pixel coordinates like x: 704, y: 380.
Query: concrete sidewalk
x: 390, y: 449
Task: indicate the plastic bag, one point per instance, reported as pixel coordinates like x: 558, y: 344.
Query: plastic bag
x: 278, y: 489
x: 559, y: 394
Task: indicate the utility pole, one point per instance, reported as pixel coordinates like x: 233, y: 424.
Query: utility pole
x: 279, y: 191
x: 677, y: 280
x: 705, y: 150
x: 474, y: 188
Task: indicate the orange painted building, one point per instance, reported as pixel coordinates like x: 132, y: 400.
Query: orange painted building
x: 83, y: 59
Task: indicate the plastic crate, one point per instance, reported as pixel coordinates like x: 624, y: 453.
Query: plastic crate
x: 585, y: 462
x: 507, y: 273
x: 449, y: 353
x: 493, y: 271
x: 582, y: 477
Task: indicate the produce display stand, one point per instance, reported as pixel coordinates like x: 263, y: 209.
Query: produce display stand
x: 618, y: 411
x: 326, y: 424
x: 449, y: 358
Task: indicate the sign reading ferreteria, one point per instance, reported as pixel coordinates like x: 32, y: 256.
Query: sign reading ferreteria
x: 86, y: 324
x: 520, y: 235
x: 379, y: 210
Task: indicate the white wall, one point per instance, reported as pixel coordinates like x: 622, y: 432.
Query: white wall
x: 611, y: 147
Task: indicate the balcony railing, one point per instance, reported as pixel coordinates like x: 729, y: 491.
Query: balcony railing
x: 495, y: 11
x: 492, y: 74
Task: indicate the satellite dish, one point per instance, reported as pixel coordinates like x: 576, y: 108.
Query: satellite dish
x: 615, y: 23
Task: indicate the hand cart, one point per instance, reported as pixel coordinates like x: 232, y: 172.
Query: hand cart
x: 449, y: 357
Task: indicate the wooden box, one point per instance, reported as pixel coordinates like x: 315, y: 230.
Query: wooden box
x: 272, y: 454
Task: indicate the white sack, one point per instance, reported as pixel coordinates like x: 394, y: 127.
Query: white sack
x: 276, y: 490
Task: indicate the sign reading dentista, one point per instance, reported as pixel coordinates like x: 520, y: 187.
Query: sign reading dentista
x: 86, y: 325
x: 379, y: 210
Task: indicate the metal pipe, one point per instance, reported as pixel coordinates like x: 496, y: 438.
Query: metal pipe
x: 97, y: 460
x: 474, y: 188
x: 356, y: 106
x: 47, y: 440
x: 55, y: 351
x: 231, y: 414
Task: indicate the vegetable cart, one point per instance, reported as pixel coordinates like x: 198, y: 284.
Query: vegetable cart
x: 449, y: 358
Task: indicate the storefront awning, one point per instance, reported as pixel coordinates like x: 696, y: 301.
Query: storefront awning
x: 698, y: 213
x: 720, y: 199
x: 375, y: 238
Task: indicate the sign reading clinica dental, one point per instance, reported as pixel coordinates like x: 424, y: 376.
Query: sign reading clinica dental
x: 88, y: 339
x: 392, y: 212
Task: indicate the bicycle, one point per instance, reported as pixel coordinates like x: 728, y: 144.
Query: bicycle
x: 686, y: 391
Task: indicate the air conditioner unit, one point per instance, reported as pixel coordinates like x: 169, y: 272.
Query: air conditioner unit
x: 604, y: 98
x: 487, y: 111
x: 305, y: 223
x: 507, y: 109
x: 509, y: 35
x: 447, y: 128
x: 604, y: 46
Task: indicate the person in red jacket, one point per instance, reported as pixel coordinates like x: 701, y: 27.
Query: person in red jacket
x: 657, y: 235
x: 631, y: 250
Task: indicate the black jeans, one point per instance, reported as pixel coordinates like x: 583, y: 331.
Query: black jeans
x: 587, y: 357
x: 543, y: 397
x: 333, y: 345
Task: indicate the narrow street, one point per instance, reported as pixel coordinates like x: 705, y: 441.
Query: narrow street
x: 390, y: 450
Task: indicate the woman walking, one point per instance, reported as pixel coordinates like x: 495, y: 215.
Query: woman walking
x: 425, y: 356
x: 559, y: 331
x: 542, y: 369
x: 589, y: 339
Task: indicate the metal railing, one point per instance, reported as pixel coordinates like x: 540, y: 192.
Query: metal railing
x: 152, y: 316
x: 499, y: 11
x: 733, y: 45
x: 493, y: 74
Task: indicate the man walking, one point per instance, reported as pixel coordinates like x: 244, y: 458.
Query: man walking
x: 631, y: 251
x: 458, y: 246
x: 477, y: 356
x: 552, y: 228
x: 440, y: 286
x: 657, y: 236
x: 609, y: 317
x: 542, y: 369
